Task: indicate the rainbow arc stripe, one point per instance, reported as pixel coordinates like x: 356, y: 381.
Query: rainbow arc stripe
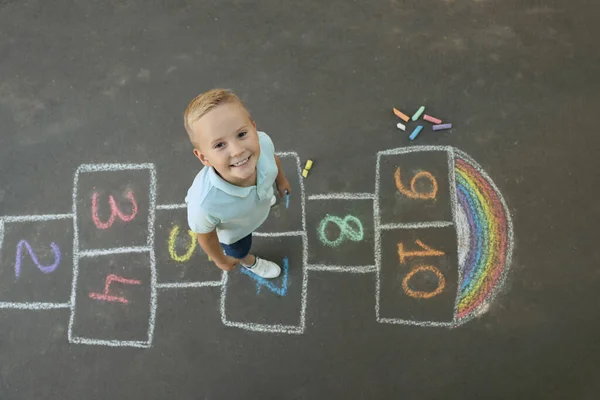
x: 484, y: 268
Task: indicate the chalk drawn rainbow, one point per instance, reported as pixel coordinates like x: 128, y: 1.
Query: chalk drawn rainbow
x: 484, y: 229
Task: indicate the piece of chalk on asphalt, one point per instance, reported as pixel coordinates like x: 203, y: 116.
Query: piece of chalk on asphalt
x: 305, y: 173
x: 308, y: 165
x: 432, y: 119
x: 401, y: 115
x: 414, y: 133
x: 442, y: 127
x: 401, y: 126
x: 287, y: 199
x: 418, y: 113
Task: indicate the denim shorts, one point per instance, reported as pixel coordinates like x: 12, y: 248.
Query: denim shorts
x: 239, y: 249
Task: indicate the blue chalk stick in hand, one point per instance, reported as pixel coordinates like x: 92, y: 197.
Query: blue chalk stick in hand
x: 414, y: 133
x: 287, y: 199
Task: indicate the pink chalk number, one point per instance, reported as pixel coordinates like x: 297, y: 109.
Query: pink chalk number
x: 114, y: 211
x: 107, y: 297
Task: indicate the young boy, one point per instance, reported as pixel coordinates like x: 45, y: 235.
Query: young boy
x: 233, y: 194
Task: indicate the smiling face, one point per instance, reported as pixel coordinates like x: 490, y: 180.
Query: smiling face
x: 226, y: 139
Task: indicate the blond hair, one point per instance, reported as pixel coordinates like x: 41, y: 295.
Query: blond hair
x: 205, y: 102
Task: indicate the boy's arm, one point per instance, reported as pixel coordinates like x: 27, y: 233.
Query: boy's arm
x: 210, y: 244
x: 283, y: 185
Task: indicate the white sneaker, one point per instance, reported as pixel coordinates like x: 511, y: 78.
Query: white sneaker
x: 264, y: 268
x: 273, y: 200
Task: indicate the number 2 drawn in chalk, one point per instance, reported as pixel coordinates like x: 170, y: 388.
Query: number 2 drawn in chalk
x: 46, y: 269
x: 114, y: 211
x: 412, y: 193
x: 426, y: 252
x: 190, y: 251
x: 347, y: 231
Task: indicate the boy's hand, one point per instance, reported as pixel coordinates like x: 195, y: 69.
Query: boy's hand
x: 283, y: 185
x: 227, y: 263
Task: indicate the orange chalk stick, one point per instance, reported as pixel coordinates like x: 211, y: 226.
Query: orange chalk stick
x: 432, y: 119
x: 401, y: 115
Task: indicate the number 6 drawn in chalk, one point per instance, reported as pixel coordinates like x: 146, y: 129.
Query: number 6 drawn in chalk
x: 347, y: 231
x: 412, y: 193
x: 190, y: 251
x: 114, y: 211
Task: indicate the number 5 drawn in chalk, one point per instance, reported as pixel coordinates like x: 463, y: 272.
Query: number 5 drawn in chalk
x: 260, y: 282
x: 412, y: 193
x: 114, y: 211
x: 171, y: 243
x: 426, y: 252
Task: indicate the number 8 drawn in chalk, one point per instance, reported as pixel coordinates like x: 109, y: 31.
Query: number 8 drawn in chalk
x: 347, y: 231
x: 412, y: 193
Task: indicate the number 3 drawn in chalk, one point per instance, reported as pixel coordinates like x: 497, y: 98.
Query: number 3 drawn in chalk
x: 114, y: 211
x: 347, y: 231
x: 190, y: 251
x: 412, y: 193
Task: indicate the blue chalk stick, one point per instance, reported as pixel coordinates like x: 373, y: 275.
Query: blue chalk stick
x: 414, y: 133
x: 287, y: 199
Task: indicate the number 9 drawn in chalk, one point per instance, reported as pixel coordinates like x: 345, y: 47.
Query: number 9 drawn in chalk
x: 347, y: 231
x: 412, y: 193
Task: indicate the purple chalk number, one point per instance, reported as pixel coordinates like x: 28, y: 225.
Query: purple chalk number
x: 46, y: 269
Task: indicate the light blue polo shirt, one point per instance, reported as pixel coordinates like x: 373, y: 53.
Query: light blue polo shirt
x: 234, y: 211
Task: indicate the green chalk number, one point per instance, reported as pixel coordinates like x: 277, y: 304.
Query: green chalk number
x: 350, y: 229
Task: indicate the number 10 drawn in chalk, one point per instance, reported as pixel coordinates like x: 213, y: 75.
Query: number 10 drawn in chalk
x: 412, y: 193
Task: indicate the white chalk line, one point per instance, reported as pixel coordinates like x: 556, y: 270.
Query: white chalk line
x: 171, y: 206
x: 454, y: 209
x: 342, y: 196
x: 416, y: 225
x: 1, y: 234
x: 377, y: 244
x: 413, y: 149
x: 113, y: 167
x: 33, y: 218
x: 356, y: 269
x: 398, y: 321
x: 75, y: 256
x: 184, y: 285
x: 111, y: 343
x: 278, y: 234
x: 34, y: 306
x: 151, y: 236
x: 116, y: 250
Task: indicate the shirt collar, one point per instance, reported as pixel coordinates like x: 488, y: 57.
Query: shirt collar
x: 227, y: 187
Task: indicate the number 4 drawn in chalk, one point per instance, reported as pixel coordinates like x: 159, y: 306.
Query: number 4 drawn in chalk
x: 107, y: 297
x: 260, y: 282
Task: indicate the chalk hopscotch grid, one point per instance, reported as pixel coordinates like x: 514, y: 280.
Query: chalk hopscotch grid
x: 278, y: 328
x: 77, y: 254
x: 379, y: 228
x: 291, y: 329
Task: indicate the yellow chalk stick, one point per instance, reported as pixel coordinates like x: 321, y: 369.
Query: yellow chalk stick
x: 308, y: 165
x: 305, y: 173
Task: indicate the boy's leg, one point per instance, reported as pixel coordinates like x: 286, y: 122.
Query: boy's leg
x: 241, y: 251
